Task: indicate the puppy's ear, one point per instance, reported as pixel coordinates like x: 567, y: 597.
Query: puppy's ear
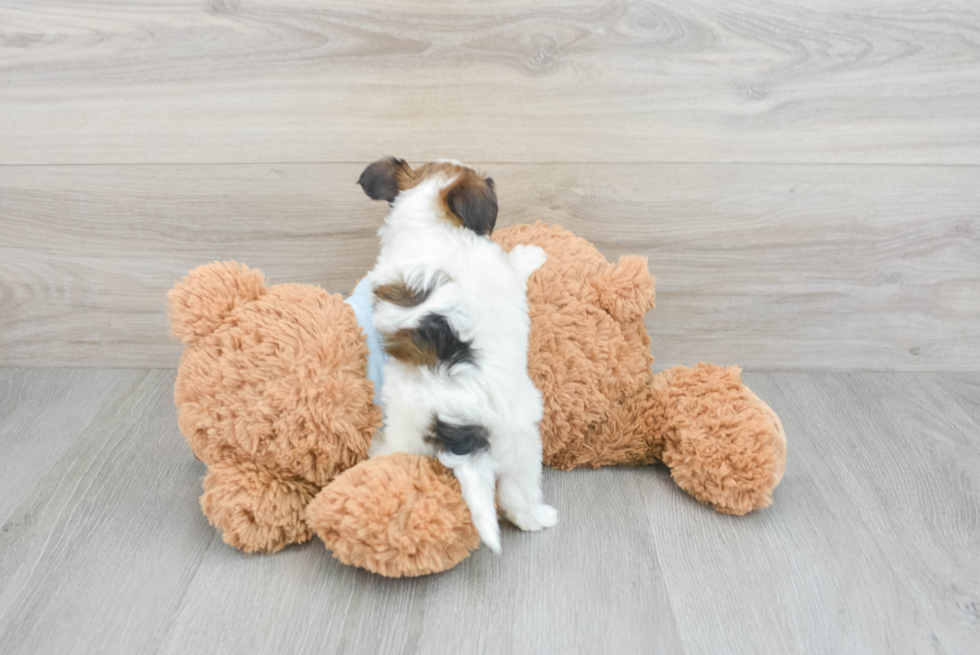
x: 383, y: 179
x: 474, y: 202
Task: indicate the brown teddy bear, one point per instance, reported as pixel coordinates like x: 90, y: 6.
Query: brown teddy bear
x: 273, y: 397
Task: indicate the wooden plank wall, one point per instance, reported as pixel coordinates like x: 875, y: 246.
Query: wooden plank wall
x: 804, y: 176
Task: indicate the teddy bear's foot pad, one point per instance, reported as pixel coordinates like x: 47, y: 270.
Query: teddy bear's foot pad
x: 396, y: 515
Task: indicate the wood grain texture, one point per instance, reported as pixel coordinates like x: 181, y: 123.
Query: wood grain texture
x: 869, y: 546
x: 33, y: 438
x: 151, y: 81
x: 894, y: 462
x: 492, y: 605
x: 766, y: 266
x: 113, y: 532
x: 965, y: 389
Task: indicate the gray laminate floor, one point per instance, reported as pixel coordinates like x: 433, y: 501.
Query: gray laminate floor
x: 872, y: 545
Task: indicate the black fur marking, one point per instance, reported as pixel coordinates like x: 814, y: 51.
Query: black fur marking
x: 432, y: 343
x: 475, y: 204
x: 380, y: 179
x: 435, y: 332
x: 458, y: 439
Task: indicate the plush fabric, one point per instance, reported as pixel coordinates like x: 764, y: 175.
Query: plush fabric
x: 401, y: 516
x: 273, y: 397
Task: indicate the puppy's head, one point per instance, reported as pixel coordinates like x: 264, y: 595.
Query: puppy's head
x: 462, y: 196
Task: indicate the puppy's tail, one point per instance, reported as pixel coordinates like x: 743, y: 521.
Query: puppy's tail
x: 476, y: 480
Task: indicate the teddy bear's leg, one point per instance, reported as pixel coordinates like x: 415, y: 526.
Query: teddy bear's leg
x: 396, y: 515
x: 256, y: 509
x: 724, y: 446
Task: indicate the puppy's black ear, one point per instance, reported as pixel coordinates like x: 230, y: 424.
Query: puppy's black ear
x: 383, y: 179
x: 474, y: 201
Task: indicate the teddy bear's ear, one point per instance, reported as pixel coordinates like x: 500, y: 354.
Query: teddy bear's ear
x: 626, y: 289
x: 203, y: 300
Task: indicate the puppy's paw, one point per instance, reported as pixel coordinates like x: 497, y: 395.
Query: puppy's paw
x: 535, y: 518
x: 527, y: 258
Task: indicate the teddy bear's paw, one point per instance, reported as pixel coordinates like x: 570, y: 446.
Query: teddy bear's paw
x: 727, y: 448
x: 534, y: 518
x: 257, y: 510
x: 396, y: 515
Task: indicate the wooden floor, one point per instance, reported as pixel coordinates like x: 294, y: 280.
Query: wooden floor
x: 870, y: 547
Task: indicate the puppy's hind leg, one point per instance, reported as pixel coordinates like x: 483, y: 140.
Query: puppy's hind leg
x: 519, y: 491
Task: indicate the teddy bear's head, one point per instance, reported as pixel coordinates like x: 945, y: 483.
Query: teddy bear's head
x: 268, y: 371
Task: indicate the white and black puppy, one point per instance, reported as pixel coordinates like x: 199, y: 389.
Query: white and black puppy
x: 451, y: 306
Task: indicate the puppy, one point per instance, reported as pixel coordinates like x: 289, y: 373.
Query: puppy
x: 451, y: 307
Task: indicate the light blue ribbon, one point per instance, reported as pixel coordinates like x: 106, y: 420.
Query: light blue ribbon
x: 362, y: 302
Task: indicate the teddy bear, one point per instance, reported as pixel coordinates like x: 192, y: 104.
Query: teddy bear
x: 274, y: 397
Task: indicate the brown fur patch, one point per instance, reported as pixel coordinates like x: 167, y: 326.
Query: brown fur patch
x: 399, y: 293
x: 444, y: 169
x: 470, y: 201
x: 465, y: 177
x: 385, y: 178
x: 403, y: 346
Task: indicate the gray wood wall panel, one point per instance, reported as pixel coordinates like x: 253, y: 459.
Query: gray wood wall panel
x: 557, y: 80
x: 766, y: 266
x: 803, y: 175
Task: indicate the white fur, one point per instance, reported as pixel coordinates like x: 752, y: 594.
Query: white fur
x: 482, y: 291
x: 476, y: 474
